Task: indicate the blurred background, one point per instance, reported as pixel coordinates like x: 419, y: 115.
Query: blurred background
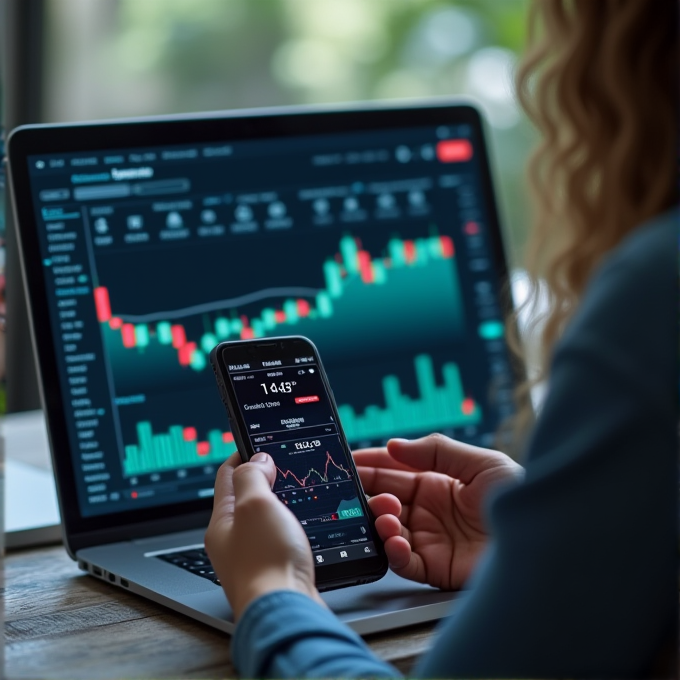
x: 69, y: 60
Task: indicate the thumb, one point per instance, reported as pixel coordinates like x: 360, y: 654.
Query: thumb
x: 254, y: 478
x: 223, y: 503
x: 441, y: 454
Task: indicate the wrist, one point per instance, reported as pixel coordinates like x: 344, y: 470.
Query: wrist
x: 262, y: 584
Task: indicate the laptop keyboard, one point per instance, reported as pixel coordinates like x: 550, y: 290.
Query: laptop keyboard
x: 195, y: 560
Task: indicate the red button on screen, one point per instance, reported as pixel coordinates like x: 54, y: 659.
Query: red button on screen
x: 306, y: 400
x: 454, y: 150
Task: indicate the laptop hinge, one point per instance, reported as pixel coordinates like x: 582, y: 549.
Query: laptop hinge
x: 137, y: 532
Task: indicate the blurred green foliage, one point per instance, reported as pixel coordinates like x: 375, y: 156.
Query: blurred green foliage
x: 133, y: 57
x: 206, y: 54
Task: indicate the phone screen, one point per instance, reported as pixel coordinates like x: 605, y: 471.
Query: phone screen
x: 285, y: 409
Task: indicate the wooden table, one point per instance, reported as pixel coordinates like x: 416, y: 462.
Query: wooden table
x: 61, y: 623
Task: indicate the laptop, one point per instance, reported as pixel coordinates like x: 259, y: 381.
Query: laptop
x: 145, y: 242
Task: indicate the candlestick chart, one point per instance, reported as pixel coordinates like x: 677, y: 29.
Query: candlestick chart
x: 364, y: 309
x: 408, y: 292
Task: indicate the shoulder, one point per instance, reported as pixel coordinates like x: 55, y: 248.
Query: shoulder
x: 650, y: 252
x: 647, y: 259
x: 632, y: 300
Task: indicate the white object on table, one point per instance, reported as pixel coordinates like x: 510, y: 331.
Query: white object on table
x: 31, y: 512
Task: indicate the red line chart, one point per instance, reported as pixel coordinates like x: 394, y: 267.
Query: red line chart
x: 322, y: 477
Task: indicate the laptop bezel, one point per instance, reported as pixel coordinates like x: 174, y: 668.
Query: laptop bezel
x: 79, y: 531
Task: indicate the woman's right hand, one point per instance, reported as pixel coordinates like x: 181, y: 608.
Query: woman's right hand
x: 428, y: 496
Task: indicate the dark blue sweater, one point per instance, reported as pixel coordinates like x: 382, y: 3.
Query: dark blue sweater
x: 581, y: 575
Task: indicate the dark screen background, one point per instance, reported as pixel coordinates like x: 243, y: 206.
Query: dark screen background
x: 407, y: 320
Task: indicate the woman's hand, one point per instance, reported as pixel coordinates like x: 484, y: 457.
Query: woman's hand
x: 428, y: 499
x: 255, y: 544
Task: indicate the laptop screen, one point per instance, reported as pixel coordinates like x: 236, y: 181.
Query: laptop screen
x: 380, y: 246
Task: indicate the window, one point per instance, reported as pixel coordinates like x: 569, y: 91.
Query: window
x: 115, y: 58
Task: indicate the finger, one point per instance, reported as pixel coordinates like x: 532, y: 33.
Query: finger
x: 385, y: 504
x: 223, y: 507
x: 397, y: 482
x: 268, y: 466
x: 403, y: 561
x: 234, y: 460
x: 388, y: 526
x: 254, y: 478
x: 378, y: 458
x: 223, y: 504
x: 441, y: 454
x: 224, y: 485
x: 398, y: 552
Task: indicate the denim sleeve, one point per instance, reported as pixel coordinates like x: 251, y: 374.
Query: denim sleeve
x: 287, y: 635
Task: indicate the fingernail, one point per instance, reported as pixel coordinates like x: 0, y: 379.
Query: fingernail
x: 400, y: 440
x: 259, y: 457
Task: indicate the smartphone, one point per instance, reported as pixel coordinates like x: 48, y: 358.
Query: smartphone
x: 279, y: 402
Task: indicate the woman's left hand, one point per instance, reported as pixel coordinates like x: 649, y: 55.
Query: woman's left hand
x: 255, y: 543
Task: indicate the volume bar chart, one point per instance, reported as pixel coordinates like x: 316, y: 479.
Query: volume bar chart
x: 177, y: 448
x: 437, y: 408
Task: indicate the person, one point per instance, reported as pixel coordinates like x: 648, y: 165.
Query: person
x: 570, y: 564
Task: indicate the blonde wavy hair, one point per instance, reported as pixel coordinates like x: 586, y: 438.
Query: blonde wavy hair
x: 600, y: 81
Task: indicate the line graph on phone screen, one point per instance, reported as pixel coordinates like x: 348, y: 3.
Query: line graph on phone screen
x: 317, y: 487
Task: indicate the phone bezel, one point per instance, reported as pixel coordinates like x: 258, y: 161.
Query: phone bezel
x: 328, y: 576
